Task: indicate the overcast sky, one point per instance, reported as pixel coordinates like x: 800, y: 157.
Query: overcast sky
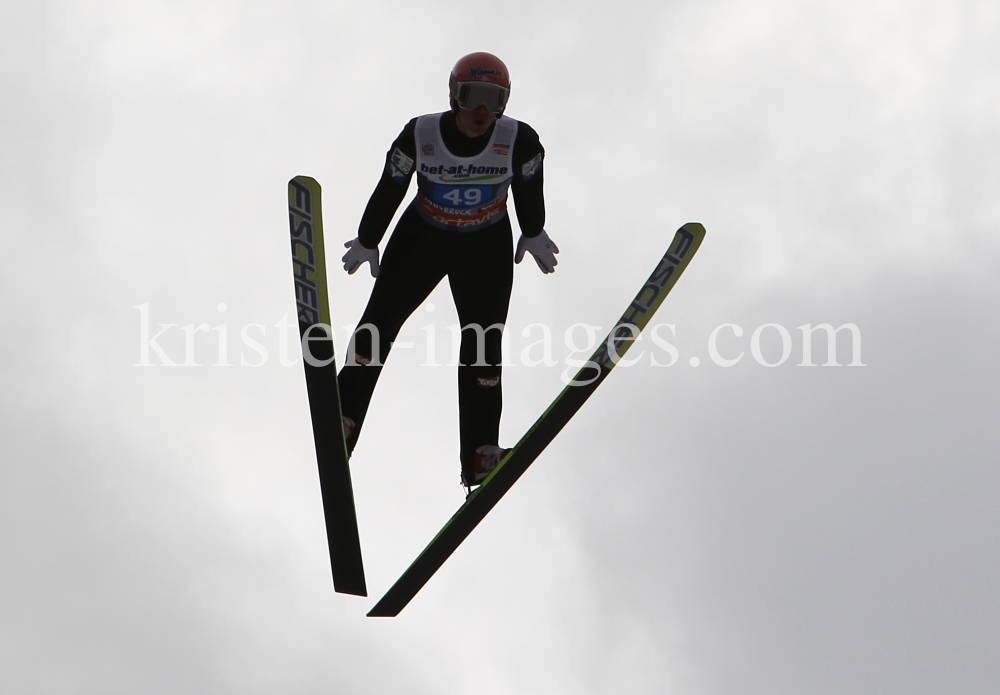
x: 704, y: 530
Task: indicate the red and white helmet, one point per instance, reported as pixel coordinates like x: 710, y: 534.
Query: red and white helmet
x: 480, y: 79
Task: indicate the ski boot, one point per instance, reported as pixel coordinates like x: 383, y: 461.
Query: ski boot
x: 484, y: 461
x: 349, y: 429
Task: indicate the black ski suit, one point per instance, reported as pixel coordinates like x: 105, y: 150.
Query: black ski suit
x: 479, y: 267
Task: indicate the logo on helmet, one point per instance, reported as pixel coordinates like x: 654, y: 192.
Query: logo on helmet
x: 480, y: 73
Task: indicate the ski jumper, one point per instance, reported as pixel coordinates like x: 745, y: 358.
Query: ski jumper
x: 456, y: 227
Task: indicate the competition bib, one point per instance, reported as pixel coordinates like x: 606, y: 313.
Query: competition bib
x: 464, y: 193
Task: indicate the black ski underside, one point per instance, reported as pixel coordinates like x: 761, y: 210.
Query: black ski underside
x: 685, y: 243
x: 305, y: 220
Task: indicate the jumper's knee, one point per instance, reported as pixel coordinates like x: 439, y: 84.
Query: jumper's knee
x: 486, y: 347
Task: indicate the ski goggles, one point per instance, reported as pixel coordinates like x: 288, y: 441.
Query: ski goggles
x: 472, y: 95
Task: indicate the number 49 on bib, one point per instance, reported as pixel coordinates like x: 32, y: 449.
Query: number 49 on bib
x: 461, y: 196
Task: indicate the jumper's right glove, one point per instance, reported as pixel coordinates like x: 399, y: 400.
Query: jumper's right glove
x: 358, y: 254
x: 541, y: 248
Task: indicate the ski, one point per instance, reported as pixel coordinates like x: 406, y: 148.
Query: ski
x: 685, y: 243
x: 305, y: 221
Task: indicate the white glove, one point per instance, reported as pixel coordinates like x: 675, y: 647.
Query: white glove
x: 542, y: 249
x: 358, y: 254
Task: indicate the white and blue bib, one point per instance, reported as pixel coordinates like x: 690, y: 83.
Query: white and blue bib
x: 463, y: 193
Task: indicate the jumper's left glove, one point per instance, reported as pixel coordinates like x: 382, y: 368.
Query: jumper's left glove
x: 541, y: 248
x: 358, y: 254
